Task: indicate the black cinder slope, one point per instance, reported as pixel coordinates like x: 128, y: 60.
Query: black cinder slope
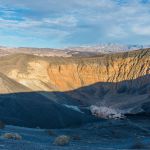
x: 34, y: 110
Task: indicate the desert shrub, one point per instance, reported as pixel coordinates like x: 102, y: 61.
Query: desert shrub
x: 2, y: 125
x: 14, y: 136
x: 122, y: 89
x: 76, y: 137
x: 50, y: 133
x: 133, y: 90
x: 62, y: 140
x: 138, y: 145
x: 144, y: 89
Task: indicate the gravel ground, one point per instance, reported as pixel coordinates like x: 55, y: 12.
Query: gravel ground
x: 106, y: 135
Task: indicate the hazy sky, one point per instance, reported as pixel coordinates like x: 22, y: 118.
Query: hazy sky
x: 60, y: 23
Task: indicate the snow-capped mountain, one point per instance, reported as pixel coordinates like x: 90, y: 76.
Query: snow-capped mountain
x: 107, y: 48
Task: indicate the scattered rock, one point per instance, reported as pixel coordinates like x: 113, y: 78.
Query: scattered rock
x: 62, y: 140
x: 2, y: 125
x: 14, y: 136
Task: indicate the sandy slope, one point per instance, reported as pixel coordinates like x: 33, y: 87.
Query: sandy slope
x: 8, y: 85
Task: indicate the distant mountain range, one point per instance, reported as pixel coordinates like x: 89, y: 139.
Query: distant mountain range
x: 72, y: 51
x: 108, y: 48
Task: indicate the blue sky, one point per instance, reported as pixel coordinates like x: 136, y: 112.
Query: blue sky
x: 62, y: 23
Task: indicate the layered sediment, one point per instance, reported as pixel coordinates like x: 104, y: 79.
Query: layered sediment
x: 64, y: 74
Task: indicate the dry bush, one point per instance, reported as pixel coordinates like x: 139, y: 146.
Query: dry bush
x: 138, y: 145
x: 76, y: 137
x: 50, y: 133
x: 14, y: 136
x: 2, y: 125
x: 62, y: 140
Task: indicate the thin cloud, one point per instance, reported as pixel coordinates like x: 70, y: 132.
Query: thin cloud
x: 76, y: 22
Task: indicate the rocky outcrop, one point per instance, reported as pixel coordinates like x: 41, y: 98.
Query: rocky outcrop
x: 107, y: 68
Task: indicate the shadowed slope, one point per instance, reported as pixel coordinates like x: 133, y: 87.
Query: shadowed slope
x: 126, y: 95
x: 33, y: 109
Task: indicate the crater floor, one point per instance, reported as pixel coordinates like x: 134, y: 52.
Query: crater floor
x: 130, y: 133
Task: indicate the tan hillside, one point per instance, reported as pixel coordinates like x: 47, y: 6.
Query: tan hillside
x: 64, y: 74
x: 76, y: 73
x: 8, y: 85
